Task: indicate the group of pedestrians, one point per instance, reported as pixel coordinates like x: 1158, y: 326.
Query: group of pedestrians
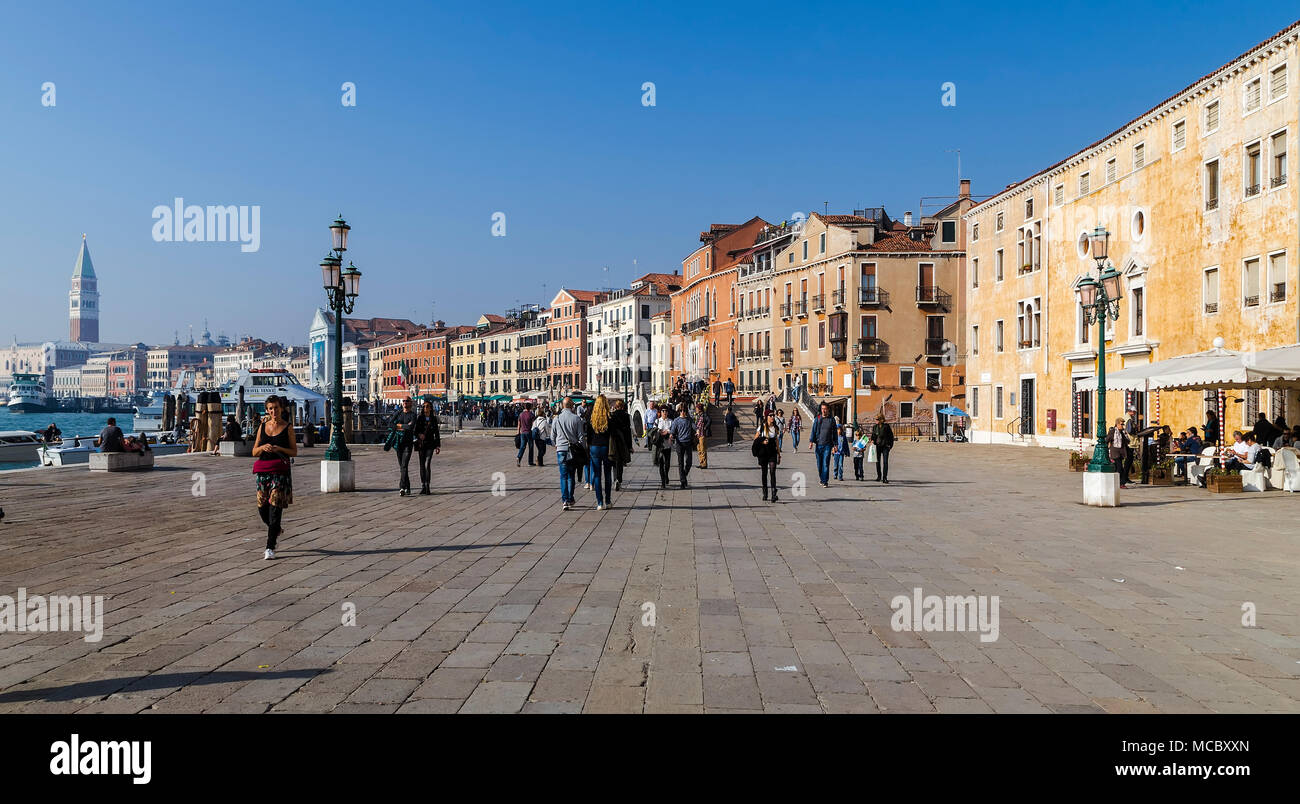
x: 831, y: 441
x: 411, y: 433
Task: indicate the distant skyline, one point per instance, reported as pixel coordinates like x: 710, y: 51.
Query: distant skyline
x: 534, y: 111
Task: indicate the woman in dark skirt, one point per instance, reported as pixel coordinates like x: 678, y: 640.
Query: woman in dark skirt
x: 274, y: 446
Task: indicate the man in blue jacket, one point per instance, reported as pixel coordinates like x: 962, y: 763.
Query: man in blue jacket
x: 825, y: 429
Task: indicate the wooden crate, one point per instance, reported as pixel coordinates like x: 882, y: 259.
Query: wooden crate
x: 1162, y: 476
x: 1223, y: 484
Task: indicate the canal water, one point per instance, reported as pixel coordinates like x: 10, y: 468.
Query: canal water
x: 86, y: 425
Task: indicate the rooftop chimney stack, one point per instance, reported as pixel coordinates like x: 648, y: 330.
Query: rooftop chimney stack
x: 965, y: 188
x: 907, y: 219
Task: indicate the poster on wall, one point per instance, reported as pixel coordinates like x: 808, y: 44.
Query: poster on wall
x: 318, y: 361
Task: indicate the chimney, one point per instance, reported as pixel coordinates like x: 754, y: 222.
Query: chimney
x: 965, y: 188
x: 439, y: 325
x: 907, y: 219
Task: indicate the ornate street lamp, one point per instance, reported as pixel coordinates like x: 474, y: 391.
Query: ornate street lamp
x: 1099, y: 300
x: 342, y: 286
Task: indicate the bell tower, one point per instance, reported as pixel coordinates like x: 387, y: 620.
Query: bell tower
x: 83, y: 308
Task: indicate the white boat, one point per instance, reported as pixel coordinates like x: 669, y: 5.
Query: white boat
x: 149, y: 418
x: 19, y: 446
x: 78, y: 450
x: 258, y: 384
x: 27, y: 394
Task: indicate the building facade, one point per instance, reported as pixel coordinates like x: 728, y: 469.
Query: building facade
x: 568, y: 361
x: 1199, y: 196
x: 619, y: 333
x: 163, y: 360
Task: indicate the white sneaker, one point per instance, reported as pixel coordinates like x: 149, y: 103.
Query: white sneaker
x: 587, y: 486
x: 268, y: 555
x: 600, y: 508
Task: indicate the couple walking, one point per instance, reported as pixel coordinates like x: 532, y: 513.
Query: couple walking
x: 602, y: 442
x: 410, y: 433
x: 830, y: 439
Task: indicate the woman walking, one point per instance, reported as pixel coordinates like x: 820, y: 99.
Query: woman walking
x: 542, y: 433
x: 598, y: 436
x: 796, y: 424
x: 274, y: 446
x: 767, y: 448
x: 780, y: 428
x: 1117, y: 443
x: 428, y: 442
x: 620, y: 446
x: 661, y: 448
x: 401, y: 435
x: 882, y: 435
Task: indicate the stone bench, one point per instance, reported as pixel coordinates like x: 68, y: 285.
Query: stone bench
x: 120, y: 461
x: 236, y: 449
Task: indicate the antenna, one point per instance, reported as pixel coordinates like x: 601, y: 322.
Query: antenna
x: 958, y: 152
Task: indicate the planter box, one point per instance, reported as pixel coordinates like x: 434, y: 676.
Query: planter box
x: 1162, y: 476
x: 1223, y: 484
x: 1078, y: 463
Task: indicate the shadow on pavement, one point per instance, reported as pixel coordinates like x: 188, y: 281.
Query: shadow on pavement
x: 101, y: 688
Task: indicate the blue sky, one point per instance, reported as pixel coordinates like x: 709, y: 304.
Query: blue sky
x: 533, y: 110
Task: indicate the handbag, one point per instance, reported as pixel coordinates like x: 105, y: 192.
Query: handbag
x: 517, y: 437
x: 871, y: 453
x: 578, y: 455
x: 277, y: 466
x: 757, y: 448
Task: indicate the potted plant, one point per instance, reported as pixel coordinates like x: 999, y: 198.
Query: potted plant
x: 1079, y: 461
x: 1162, y: 474
x: 1223, y: 481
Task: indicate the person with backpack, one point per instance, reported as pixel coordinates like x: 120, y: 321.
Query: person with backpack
x: 542, y: 433
x: 882, y: 435
x: 732, y: 424
x: 568, y: 430
x: 822, y: 438
x: 683, y: 437
x: 401, y: 436
x: 620, y: 443
x: 768, y: 451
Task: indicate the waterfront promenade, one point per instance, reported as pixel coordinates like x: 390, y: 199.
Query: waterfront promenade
x: 470, y: 601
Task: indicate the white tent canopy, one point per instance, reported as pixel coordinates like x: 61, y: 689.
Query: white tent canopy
x: 1218, y: 368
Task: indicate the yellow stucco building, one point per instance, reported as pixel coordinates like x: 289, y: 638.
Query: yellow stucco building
x: 1199, y: 196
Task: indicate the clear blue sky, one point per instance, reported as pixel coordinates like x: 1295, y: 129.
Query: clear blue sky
x: 533, y: 110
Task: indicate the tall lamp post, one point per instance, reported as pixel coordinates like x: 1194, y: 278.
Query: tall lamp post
x: 1099, y: 300
x: 341, y: 288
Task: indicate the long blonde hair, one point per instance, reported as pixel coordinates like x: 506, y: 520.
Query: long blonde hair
x: 600, y: 414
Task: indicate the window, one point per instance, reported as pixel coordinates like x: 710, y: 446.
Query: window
x: 906, y: 376
x: 1029, y: 208
x: 974, y: 232
x: 905, y: 410
x: 1277, y: 147
x: 998, y: 330
x: 975, y: 340
x: 1250, y: 282
x: 1112, y: 170
x: 997, y: 401
x: 821, y: 243
x: 803, y: 338
x: 1212, y: 185
x: 1251, y: 97
x: 868, y: 376
x: 949, y: 231
x: 1211, y: 117
x: 1139, y: 155
x: 1084, y: 183
x: 932, y: 378
x: 975, y: 272
x: 1137, y: 297
x: 975, y: 402
x: 1058, y: 195
x: 1179, y: 135
x: 997, y: 223
x: 1253, y: 166
x: 1084, y: 331
x: 1277, y: 277
x: 821, y: 334
x: 997, y: 266
x: 1028, y: 324
x: 1277, y: 83
x: 805, y: 249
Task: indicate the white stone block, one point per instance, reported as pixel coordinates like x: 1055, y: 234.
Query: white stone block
x: 236, y: 449
x: 1101, y: 489
x: 120, y: 461
x: 337, y: 476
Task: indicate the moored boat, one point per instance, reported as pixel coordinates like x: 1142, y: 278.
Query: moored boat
x: 27, y: 394
x: 19, y: 446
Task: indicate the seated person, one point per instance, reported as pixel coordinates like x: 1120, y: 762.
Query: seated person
x: 110, y: 438
x: 52, y: 433
x: 1244, y: 452
x: 133, y: 444
x: 233, y: 431
x: 323, y: 433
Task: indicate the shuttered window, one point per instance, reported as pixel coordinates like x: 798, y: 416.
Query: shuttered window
x: 1212, y: 117
x: 1180, y: 135
x: 1252, y: 96
x: 1277, y: 83
x: 1139, y: 155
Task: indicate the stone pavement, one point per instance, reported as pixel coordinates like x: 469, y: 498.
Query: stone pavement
x: 473, y: 602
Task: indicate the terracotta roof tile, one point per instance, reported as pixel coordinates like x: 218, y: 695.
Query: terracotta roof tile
x: 898, y: 243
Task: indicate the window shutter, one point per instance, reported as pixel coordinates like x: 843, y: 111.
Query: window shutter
x: 1212, y: 116
x: 1139, y: 156
x: 1180, y: 134
x: 1277, y: 86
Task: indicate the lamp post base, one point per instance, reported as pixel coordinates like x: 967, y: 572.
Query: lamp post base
x: 337, y: 476
x: 1101, y: 489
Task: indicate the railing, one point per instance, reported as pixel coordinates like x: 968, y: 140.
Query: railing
x: 787, y: 309
x: 873, y: 296
x: 871, y: 348
x: 1211, y: 204
x: 1016, y: 432
x: 787, y: 354
x: 1278, y: 293
x: 801, y: 308
x: 934, y: 347
x: 1277, y: 181
x: 819, y: 302
x: 701, y: 323
x: 1211, y: 307
x: 837, y: 297
x: 933, y: 294
x: 1252, y: 190
x: 1252, y: 301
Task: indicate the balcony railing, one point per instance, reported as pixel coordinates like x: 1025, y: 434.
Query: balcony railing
x: 1277, y: 181
x: 933, y: 295
x: 1211, y: 307
x: 801, y: 308
x: 1211, y: 204
x: 787, y: 309
x: 1252, y: 301
x: 1278, y: 293
x: 934, y: 347
x: 1252, y: 190
x: 701, y: 323
x: 819, y: 302
x: 837, y: 297
x: 871, y: 349
x: 873, y: 297
x: 787, y: 354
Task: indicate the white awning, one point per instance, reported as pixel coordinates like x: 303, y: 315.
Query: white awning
x: 1218, y: 368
